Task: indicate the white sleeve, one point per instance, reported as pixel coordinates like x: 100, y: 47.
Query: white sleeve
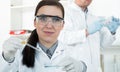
x: 106, y: 38
x: 6, y: 66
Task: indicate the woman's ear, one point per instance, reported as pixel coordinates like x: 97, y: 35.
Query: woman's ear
x: 35, y: 23
x: 63, y: 24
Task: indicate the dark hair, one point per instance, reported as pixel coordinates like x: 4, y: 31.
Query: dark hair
x: 29, y: 53
x: 50, y: 3
x: 51, y: 0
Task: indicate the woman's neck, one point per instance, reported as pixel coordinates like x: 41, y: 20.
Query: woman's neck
x: 47, y: 44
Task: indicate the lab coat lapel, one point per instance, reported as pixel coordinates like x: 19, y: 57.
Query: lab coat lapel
x: 59, y: 51
x: 42, y: 53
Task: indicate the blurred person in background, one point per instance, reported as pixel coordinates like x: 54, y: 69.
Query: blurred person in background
x: 87, y: 33
x: 42, y: 52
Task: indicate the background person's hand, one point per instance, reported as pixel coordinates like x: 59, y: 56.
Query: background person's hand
x: 10, y: 46
x: 71, y: 65
x: 112, y: 26
x: 115, y: 19
x: 112, y: 18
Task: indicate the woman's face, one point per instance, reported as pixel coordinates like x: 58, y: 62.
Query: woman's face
x: 49, y: 23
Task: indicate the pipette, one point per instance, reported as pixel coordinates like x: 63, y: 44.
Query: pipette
x: 31, y: 46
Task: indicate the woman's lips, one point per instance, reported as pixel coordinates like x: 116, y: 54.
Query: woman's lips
x: 48, y: 32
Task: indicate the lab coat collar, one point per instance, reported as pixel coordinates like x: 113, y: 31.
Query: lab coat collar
x: 59, y: 50
x: 40, y: 50
x: 75, y: 6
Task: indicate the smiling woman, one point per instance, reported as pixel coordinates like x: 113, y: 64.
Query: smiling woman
x: 44, y: 35
x: 43, y: 52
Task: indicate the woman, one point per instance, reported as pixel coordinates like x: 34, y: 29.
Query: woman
x: 48, y: 22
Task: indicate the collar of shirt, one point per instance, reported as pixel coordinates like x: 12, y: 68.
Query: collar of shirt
x: 75, y: 6
x: 52, y: 49
x: 86, y: 10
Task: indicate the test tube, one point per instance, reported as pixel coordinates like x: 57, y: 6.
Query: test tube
x: 31, y: 46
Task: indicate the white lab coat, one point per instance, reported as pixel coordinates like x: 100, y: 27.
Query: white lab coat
x: 73, y: 34
x: 41, y: 60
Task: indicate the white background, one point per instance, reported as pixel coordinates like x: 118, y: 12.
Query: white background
x: 4, y: 20
x: 106, y: 7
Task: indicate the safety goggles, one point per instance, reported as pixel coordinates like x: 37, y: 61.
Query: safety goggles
x: 45, y: 19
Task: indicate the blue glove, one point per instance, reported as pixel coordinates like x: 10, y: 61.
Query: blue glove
x: 115, y: 19
x: 96, y: 26
x: 112, y: 19
x: 112, y: 26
